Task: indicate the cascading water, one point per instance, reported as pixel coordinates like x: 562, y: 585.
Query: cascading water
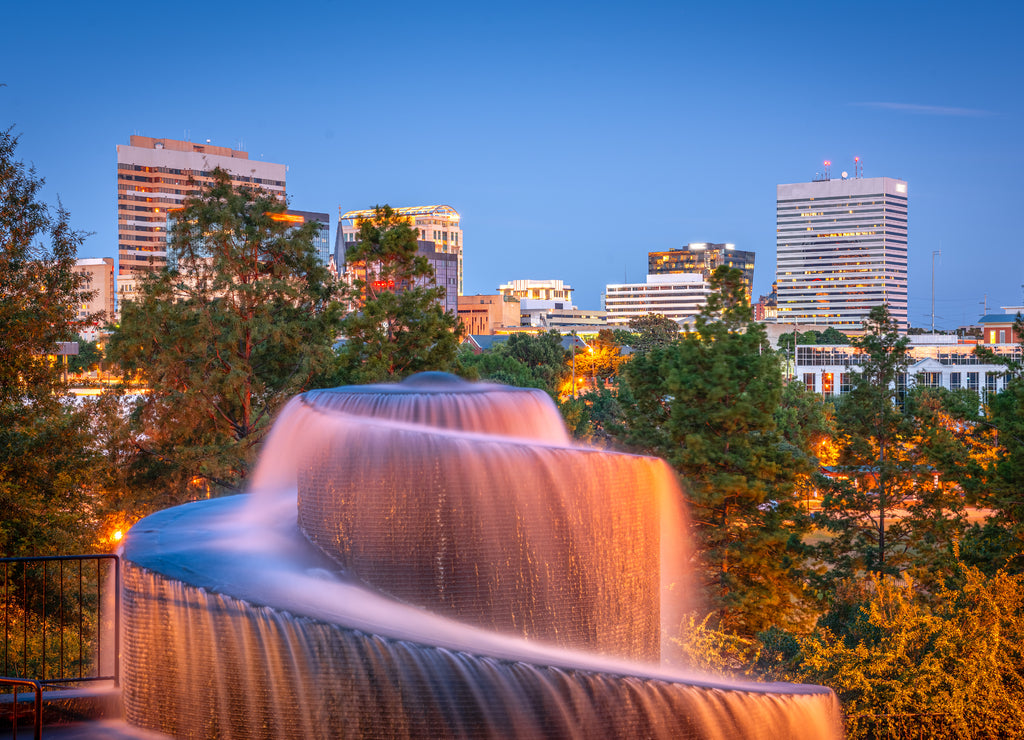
x: 429, y: 559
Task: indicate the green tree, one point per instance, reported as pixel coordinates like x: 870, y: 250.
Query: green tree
x: 648, y: 331
x: 224, y: 338
x: 707, y: 404
x: 525, y: 360
x: 45, y: 456
x: 887, y: 509
x: 954, y: 653
x: 88, y: 358
x: 397, y: 325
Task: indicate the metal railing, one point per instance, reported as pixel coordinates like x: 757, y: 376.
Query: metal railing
x: 53, y: 613
x: 37, y: 705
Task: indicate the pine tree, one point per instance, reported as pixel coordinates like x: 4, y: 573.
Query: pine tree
x: 707, y: 404
x: 240, y: 323
x: 396, y: 325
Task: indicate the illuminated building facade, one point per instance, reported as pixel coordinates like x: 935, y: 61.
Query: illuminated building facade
x: 155, y: 175
x: 679, y: 297
x: 439, y: 225
x: 841, y: 251
x: 99, y: 280
x: 935, y: 361
x: 703, y: 258
x: 538, y: 290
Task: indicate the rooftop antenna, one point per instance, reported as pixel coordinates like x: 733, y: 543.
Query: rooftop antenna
x: 828, y: 169
x: 858, y: 168
x: 934, y: 252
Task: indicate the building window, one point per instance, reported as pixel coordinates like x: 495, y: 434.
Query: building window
x: 929, y: 380
x: 972, y: 381
x: 991, y: 381
x: 845, y: 386
x: 809, y: 382
x: 954, y: 381
x: 827, y: 384
x: 901, y: 387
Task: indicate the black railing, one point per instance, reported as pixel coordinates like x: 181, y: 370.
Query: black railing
x: 37, y: 705
x: 53, y: 614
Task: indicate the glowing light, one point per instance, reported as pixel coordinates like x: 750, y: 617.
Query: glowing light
x: 116, y: 536
x: 287, y: 218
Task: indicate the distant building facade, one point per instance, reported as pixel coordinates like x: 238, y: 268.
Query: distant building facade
x: 998, y: 328
x: 156, y: 175
x: 841, y: 251
x: 99, y: 279
x: 322, y: 235
x: 934, y: 361
x: 679, y: 297
x: 487, y: 314
x: 703, y: 258
x: 538, y: 290
x: 440, y: 225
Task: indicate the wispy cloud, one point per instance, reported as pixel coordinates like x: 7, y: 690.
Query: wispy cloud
x: 927, y: 110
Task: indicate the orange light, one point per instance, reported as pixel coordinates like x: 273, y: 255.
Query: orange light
x: 116, y: 536
x: 287, y: 218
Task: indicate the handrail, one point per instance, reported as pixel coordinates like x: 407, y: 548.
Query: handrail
x: 33, y: 607
x: 37, y: 711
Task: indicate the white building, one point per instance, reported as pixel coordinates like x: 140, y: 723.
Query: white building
x: 934, y: 361
x: 677, y: 296
x: 841, y: 250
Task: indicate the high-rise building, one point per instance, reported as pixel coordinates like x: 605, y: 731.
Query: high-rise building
x: 154, y: 175
x: 322, y: 236
x: 703, y: 258
x: 678, y: 297
x: 439, y: 225
x: 841, y: 250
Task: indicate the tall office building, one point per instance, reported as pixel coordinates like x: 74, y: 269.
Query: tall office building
x: 322, y: 235
x: 99, y: 280
x: 154, y: 175
x: 703, y: 258
x: 439, y: 225
x: 842, y: 250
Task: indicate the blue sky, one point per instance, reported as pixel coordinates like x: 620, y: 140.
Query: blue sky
x: 573, y: 138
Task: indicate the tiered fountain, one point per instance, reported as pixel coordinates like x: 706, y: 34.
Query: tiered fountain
x: 430, y: 559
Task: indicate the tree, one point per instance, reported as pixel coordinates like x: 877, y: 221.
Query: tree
x: 396, y: 325
x: 525, y: 360
x: 224, y: 338
x: 45, y: 456
x: 945, y: 664
x: 649, y: 331
x: 887, y: 508
x: 707, y: 404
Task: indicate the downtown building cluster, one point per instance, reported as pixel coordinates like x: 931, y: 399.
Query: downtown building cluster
x: 841, y: 248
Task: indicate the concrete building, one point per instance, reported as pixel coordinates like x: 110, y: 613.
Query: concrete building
x: 679, y: 297
x: 703, y: 258
x: 440, y: 225
x: 154, y: 175
x: 841, y: 250
x: 99, y: 278
x: 940, y: 361
x: 488, y: 314
x: 322, y: 237
x: 538, y: 290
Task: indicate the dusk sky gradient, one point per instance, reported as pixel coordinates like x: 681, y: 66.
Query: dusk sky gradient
x: 572, y: 138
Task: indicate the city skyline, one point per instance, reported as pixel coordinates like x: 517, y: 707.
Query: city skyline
x: 571, y: 143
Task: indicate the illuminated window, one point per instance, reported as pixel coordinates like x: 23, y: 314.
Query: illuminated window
x: 809, y: 382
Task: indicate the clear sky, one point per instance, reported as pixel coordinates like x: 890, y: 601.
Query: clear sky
x: 573, y: 138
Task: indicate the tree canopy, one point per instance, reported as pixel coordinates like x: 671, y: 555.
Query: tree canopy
x: 45, y: 457
x: 396, y: 323
x: 240, y: 322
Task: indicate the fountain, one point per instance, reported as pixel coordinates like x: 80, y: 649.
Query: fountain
x: 430, y: 559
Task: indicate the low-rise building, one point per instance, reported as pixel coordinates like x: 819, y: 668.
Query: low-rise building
x: 680, y: 297
x: 488, y: 314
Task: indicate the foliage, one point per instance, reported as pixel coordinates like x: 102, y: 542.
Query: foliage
x: 649, y: 331
x: 599, y: 363
x: 224, y: 338
x: 955, y: 653
x: 88, y: 358
x: 887, y: 508
x: 44, y: 455
x: 397, y: 325
x: 707, y: 404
